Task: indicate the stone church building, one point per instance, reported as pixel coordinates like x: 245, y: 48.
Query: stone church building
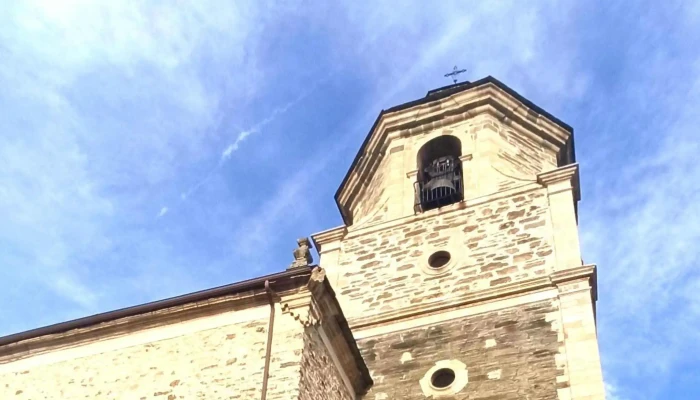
x: 457, y: 274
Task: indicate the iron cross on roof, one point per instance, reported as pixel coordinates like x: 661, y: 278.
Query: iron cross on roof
x: 454, y: 74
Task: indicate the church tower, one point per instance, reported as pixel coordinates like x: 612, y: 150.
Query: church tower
x: 458, y: 266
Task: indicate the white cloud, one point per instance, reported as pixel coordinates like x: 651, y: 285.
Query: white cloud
x: 76, y: 291
x: 612, y: 393
x: 113, y: 108
x: 649, y: 268
x: 641, y: 221
x: 276, y: 113
x: 102, y: 102
x: 228, y: 151
x: 226, y: 154
x: 231, y: 148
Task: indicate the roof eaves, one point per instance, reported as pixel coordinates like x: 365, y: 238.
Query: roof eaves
x: 282, y: 280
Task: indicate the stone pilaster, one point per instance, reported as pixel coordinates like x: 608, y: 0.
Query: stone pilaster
x: 328, y: 245
x: 563, y: 193
x: 577, y: 295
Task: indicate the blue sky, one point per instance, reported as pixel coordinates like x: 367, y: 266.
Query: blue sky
x: 149, y: 149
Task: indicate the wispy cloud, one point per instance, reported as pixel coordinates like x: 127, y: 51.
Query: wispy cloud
x: 228, y: 151
x: 641, y: 222
x: 114, y: 110
x: 231, y: 148
x: 611, y: 392
x: 132, y: 113
x: 85, y: 136
x: 650, y: 308
x: 277, y: 112
x: 76, y: 291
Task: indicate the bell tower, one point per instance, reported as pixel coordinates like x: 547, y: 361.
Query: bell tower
x: 458, y: 264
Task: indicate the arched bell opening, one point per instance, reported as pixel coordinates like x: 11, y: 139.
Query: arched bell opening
x: 439, y: 173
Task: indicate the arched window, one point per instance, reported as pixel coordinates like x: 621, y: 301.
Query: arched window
x: 439, y: 173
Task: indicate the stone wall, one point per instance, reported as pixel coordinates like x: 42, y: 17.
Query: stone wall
x: 320, y: 379
x: 372, y: 208
x: 509, y: 354
x: 492, y: 244
x: 225, y: 362
x: 521, y: 158
x: 497, y: 157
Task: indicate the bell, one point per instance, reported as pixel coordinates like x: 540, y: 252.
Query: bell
x: 442, y: 185
x: 442, y: 182
x: 438, y: 188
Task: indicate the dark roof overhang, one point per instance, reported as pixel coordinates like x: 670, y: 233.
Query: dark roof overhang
x: 281, y: 281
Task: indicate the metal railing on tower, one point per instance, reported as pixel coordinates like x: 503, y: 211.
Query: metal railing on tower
x: 440, y: 184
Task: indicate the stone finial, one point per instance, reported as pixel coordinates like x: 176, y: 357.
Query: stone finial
x: 302, y: 254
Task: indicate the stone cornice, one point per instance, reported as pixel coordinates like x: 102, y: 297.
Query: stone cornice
x: 486, y: 99
x: 511, y: 289
x: 566, y: 174
x: 239, y: 297
x: 302, y: 308
x: 466, y: 157
x: 577, y: 273
x: 587, y: 273
x: 283, y: 282
x: 539, y: 284
x: 124, y: 326
x: 328, y: 236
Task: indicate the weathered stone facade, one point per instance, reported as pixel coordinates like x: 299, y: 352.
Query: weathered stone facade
x: 320, y: 378
x: 212, y: 349
x: 220, y: 363
x: 494, y: 243
x: 509, y: 354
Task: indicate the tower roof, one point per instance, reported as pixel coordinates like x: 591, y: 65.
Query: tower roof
x: 507, y: 103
